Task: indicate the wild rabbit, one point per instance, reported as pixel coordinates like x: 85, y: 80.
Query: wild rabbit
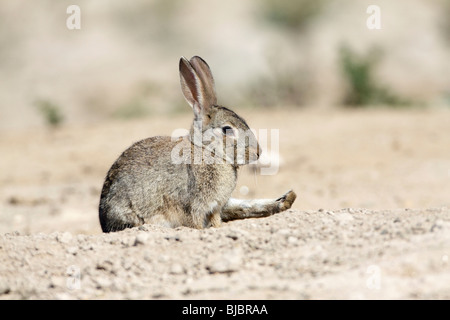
x: 187, y: 181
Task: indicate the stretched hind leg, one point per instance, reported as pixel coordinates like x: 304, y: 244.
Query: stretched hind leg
x: 256, y: 208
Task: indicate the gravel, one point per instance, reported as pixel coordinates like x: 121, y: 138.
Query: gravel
x: 349, y: 253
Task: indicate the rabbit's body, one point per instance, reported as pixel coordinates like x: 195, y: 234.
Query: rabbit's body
x: 186, y: 181
x: 145, y: 186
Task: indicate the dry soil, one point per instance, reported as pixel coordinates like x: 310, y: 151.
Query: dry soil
x: 371, y: 220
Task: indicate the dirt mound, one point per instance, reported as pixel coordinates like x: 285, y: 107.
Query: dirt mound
x: 350, y: 253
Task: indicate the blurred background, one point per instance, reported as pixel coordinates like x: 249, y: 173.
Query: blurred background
x: 363, y: 114
x: 123, y: 61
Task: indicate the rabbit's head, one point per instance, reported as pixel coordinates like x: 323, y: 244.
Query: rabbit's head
x: 216, y: 128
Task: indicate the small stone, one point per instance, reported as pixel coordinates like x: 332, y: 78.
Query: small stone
x: 163, y: 258
x: 141, y: 238
x: 72, y: 250
x: 176, y: 268
x: 292, y: 240
x: 86, y: 246
x: 106, y: 265
x: 284, y: 232
x: 175, y: 237
x: 103, y: 282
x: 57, y: 282
x: 128, y: 241
x: 127, y: 264
x: 232, y: 235
x: 229, y: 262
x: 65, y: 237
x: 4, y: 287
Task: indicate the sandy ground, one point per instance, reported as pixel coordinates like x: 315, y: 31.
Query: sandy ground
x: 372, y: 217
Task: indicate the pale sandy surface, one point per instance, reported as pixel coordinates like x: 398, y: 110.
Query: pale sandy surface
x: 371, y: 220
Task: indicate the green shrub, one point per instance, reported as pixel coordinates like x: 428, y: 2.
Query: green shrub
x: 363, y: 88
x: 50, y: 111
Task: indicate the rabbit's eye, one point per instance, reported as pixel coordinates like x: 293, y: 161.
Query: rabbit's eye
x: 227, y: 130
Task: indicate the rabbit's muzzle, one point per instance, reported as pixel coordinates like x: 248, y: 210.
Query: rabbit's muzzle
x: 252, y: 151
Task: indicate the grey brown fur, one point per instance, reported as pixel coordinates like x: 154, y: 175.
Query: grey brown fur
x: 146, y: 185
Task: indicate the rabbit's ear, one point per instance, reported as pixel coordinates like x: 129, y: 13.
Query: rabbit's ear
x: 204, y: 72
x: 197, y: 87
x: 189, y: 81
